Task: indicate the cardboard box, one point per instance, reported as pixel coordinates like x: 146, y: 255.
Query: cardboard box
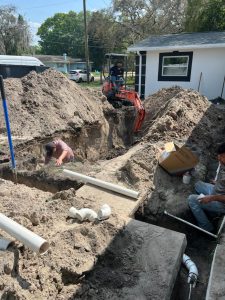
x: 177, y: 160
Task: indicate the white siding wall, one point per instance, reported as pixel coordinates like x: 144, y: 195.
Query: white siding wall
x: 211, y: 62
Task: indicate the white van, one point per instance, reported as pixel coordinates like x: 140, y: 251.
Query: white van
x: 20, y: 60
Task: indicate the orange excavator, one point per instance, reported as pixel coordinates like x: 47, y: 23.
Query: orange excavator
x: 116, y: 90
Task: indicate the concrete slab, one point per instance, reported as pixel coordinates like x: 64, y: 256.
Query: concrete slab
x: 216, y: 285
x: 141, y: 263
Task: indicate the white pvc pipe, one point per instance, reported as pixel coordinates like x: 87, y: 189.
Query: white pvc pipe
x: 83, y: 214
x: 193, y: 271
x: 103, y: 184
x: 22, y: 234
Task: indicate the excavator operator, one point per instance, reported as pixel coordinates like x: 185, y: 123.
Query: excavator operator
x: 116, y: 75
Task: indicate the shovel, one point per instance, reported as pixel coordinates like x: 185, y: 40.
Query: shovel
x: 8, y: 128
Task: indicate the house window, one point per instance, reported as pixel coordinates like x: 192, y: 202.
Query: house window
x: 175, y: 66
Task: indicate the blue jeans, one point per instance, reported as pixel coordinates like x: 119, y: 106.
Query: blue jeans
x: 117, y: 81
x: 199, y: 209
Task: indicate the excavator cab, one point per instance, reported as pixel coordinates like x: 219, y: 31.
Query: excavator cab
x: 113, y: 84
x: 115, y: 87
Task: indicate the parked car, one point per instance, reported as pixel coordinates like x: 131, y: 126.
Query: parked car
x: 80, y: 75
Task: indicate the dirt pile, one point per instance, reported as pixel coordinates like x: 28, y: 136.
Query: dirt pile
x: 179, y: 114
x: 49, y: 105
x: 40, y: 104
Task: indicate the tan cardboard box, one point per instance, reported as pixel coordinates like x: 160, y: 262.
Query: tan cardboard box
x: 177, y: 160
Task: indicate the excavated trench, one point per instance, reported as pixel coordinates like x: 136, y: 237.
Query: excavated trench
x: 92, y: 144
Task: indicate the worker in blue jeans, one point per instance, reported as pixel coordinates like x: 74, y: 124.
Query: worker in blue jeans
x: 116, y: 75
x: 213, y: 201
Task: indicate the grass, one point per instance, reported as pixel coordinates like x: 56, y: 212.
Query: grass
x: 93, y: 84
x: 97, y: 85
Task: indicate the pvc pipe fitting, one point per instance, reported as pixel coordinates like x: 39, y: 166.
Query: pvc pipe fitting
x: 103, y: 184
x: 104, y: 212
x: 83, y: 214
x: 22, y: 234
x: 73, y: 212
x: 193, y: 271
x: 86, y: 214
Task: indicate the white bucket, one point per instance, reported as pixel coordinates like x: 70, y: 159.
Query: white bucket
x: 104, y: 212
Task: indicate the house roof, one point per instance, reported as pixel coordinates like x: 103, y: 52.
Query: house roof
x: 57, y: 59
x: 194, y: 40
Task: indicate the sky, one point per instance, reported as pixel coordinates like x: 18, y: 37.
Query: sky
x: 38, y: 11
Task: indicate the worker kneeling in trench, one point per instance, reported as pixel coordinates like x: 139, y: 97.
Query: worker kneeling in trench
x: 59, y: 150
x: 212, y: 196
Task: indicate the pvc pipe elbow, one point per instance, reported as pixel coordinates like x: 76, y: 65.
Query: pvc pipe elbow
x: 83, y: 214
x: 193, y: 271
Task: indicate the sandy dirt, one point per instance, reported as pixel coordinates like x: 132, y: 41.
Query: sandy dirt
x: 49, y: 105
x: 74, y: 245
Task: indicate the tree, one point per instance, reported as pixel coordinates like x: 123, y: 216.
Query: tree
x: 63, y: 33
x: 14, y: 32
x: 142, y: 18
x: 105, y: 35
x: 205, y: 15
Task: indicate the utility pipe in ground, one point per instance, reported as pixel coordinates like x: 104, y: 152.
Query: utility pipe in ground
x: 22, y: 234
x: 193, y: 271
x: 103, y: 184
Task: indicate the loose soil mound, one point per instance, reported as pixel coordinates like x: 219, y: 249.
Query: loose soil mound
x: 40, y: 104
x: 177, y: 113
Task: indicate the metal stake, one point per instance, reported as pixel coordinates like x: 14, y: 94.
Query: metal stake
x: 190, y: 224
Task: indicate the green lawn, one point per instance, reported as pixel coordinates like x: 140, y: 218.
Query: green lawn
x: 95, y: 84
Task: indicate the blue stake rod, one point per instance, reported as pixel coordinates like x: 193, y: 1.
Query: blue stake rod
x: 7, y: 123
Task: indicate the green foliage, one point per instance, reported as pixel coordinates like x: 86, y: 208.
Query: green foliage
x: 63, y: 33
x: 14, y: 32
x: 143, y: 18
x: 105, y: 35
x: 205, y: 15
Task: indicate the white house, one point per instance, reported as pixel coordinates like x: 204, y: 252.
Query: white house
x: 190, y: 60
x: 62, y: 63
